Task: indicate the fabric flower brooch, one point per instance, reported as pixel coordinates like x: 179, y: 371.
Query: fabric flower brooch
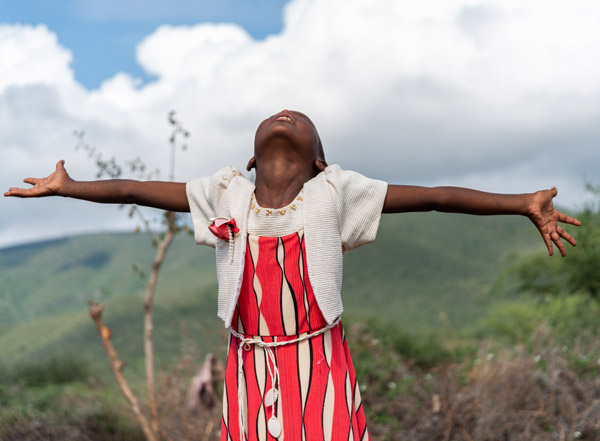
x: 224, y: 229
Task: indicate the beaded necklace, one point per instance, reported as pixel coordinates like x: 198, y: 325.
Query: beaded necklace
x: 269, y: 211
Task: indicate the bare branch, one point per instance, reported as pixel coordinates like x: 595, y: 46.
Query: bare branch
x: 136, y: 210
x: 117, y: 366
x: 178, y: 130
x: 163, y: 247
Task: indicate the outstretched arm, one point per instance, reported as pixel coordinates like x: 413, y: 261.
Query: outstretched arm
x: 536, y: 206
x: 165, y: 195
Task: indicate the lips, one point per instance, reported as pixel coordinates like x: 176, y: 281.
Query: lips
x: 284, y: 116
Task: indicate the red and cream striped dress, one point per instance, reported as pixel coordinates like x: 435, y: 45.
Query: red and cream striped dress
x: 319, y: 395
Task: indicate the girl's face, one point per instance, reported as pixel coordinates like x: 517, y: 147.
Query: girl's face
x: 294, y: 127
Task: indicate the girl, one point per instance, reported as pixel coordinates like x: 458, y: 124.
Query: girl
x: 279, y: 246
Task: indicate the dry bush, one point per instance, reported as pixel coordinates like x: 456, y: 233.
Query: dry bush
x: 178, y: 421
x: 508, y: 396
x: 552, y: 393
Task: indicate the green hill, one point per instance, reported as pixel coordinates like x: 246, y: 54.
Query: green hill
x: 426, y: 270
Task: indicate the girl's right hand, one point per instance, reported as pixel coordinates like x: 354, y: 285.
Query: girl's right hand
x: 545, y: 217
x: 48, y: 186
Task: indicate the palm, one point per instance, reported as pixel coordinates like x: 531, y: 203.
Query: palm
x: 546, y: 218
x: 47, y: 186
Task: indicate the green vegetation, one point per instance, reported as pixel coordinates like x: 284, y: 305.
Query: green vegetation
x: 60, y: 399
x: 53, y: 371
x: 577, y: 274
x: 457, y: 307
x: 425, y: 271
x: 434, y: 270
x: 46, y: 290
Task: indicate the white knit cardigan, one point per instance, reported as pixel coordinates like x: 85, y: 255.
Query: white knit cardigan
x: 341, y: 212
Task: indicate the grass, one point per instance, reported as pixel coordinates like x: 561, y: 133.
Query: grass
x: 59, y: 398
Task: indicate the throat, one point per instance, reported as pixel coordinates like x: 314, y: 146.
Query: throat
x: 276, y: 193
x: 278, y: 182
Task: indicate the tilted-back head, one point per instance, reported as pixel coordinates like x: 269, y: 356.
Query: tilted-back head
x: 288, y: 135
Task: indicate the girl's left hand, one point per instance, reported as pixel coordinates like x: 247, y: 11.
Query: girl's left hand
x: 545, y: 217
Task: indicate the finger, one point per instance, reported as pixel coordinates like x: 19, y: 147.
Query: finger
x: 566, y: 236
x: 548, y: 242
x: 554, y: 191
x: 31, y: 181
x: 18, y: 192
x: 559, y: 244
x: 568, y: 219
x: 60, y: 165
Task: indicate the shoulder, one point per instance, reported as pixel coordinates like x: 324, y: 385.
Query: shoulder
x: 223, y: 176
x: 341, y: 181
x: 206, y: 196
x: 217, y: 182
x: 358, y: 202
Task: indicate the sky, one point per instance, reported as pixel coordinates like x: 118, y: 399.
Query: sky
x: 499, y: 95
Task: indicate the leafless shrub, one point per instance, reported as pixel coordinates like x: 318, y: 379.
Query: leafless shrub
x: 179, y: 422
x: 498, y: 397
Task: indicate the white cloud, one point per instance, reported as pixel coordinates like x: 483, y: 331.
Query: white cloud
x: 502, y: 95
x: 32, y: 55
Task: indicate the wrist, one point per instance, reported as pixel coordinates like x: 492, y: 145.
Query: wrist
x: 529, y: 205
x: 65, y: 188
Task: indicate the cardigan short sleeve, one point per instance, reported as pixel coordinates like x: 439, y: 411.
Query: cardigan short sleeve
x: 204, y: 197
x: 359, y: 202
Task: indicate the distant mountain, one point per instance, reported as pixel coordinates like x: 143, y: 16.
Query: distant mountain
x: 425, y: 270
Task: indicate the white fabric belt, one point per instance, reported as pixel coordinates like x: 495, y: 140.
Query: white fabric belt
x: 271, y: 396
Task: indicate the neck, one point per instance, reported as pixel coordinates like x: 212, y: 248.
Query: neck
x: 278, y: 182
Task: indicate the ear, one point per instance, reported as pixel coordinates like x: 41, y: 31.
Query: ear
x: 320, y: 165
x: 251, y: 164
